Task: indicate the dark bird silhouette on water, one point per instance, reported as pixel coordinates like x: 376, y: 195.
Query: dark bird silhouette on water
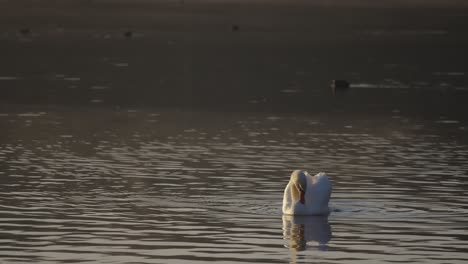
x: 25, y: 31
x: 128, y: 34
x: 339, y: 86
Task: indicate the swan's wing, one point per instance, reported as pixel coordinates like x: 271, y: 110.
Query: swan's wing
x: 322, y: 189
x: 324, y: 182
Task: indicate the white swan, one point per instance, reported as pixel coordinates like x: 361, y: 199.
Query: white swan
x: 306, y: 194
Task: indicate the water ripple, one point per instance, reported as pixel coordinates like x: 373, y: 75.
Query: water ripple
x: 139, y: 192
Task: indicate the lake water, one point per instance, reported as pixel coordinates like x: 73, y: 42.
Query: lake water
x: 143, y: 134
x: 148, y: 186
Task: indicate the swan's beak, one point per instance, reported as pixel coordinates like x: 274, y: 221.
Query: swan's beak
x: 302, y: 200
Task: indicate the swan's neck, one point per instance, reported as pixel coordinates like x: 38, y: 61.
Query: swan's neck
x: 297, y: 195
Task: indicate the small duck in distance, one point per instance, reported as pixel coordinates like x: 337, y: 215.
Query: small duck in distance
x: 25, y: 31
x: 306, y: 194
x: 339, y: 86
x: 128, y: 34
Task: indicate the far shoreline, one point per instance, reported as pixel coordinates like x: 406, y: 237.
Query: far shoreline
x: 241, y: 3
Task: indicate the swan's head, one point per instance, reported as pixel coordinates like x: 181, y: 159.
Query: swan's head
x: 299, y: 182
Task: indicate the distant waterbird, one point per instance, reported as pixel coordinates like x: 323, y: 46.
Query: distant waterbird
x: 25, y: 31
x: 339, y: 86
x: 128, y: 34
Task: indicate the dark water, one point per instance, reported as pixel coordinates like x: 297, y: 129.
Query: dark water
x: 173, y: 143
x: 278, y: 59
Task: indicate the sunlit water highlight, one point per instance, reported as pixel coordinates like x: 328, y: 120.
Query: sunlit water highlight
x: 148, y: 186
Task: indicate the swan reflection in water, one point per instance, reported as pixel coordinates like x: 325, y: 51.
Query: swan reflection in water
x: 299, y: 230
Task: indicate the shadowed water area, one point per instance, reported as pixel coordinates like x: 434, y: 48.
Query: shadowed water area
x: 168, y: 134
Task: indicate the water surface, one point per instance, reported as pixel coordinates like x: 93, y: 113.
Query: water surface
x: 166, y: 186
x: 140, y: 133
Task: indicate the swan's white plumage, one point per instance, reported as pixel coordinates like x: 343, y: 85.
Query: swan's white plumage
x: 317, y: 196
